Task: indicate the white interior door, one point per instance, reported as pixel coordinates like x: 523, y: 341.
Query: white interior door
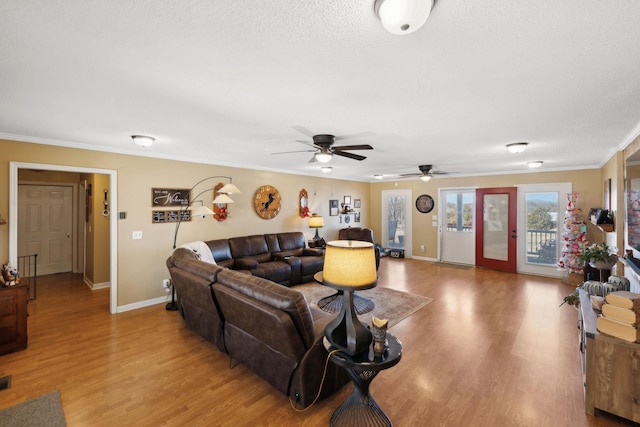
x: 457, y: 230
x: 45, y: 226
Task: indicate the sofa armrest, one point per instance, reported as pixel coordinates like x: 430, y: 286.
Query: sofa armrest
x: 245, y: 264
x: 313, y: 252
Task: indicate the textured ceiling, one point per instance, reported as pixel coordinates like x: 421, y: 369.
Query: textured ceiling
x: 230, y: 82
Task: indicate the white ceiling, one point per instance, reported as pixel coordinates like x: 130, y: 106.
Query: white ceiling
x: 228, y: 81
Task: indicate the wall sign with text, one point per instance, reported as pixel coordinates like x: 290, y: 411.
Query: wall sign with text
x: 169, y: 197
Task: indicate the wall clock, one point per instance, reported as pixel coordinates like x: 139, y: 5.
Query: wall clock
x: 424, y: 203
x: 266, y: 202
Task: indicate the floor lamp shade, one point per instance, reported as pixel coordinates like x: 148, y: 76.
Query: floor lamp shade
x: 348, y: 266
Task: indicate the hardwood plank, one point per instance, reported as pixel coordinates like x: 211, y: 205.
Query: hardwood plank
x: 492, y: 349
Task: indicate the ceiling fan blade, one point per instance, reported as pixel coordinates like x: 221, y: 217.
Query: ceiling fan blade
x: 410, y: 174
x: 354, y: 135
x: 349, y: 155
x: 303, y: 130
x: 312, y: 159
x: 352, y: 147
x: 310, y: 144
x: 297, y: 151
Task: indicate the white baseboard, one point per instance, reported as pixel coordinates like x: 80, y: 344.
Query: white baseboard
x: 141, y: 304
x: 423, y: 258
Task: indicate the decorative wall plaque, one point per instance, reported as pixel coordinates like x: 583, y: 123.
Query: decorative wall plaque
x: 169, y: 197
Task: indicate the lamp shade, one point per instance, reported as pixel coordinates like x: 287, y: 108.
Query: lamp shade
x: 229, y: 189
x: 316, y: 221
x: 349, y: 265
x: 403, y: 16
x: 222, y: 198
x: 202, y: 211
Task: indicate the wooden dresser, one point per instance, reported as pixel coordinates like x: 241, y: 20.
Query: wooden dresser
x: 610, y: 368
x: 13, y: 318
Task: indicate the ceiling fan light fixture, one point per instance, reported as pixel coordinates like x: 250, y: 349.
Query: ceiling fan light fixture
x: 517, y: 147
x: 425, y: 178
x: 403, y: 16
x: 142, y: 140
x: 326, y: 169
x: 323, y: 156
x: 535, y: 164
x: 378, y: 176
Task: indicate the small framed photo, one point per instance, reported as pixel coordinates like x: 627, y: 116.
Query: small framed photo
x: 333, y: 208
x: 356, y: 217
x: 356, y: 204
x: 347, y: 200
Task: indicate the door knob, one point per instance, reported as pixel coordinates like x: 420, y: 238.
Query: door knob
x: 69, y: 236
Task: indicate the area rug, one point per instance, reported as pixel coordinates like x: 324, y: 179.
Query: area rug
x: 43, y: 411
x: 389, y: 303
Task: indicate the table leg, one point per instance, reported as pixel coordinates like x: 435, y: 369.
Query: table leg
x: 360, y: 409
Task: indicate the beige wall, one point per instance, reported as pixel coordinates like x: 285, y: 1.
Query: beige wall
x: 141, y: 263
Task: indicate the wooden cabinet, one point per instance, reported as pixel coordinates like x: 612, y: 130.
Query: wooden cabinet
x: 13, y: 318
x: 610, y: 368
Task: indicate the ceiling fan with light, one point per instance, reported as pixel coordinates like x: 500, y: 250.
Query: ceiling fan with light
x: 426, y: 173
x: 324, y: 148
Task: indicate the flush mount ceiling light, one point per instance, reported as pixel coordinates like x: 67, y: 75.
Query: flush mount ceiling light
x: 403, y: 16
x: 517, y: 147
x: 535, y: 164
x: 142, y: 140
x: 326, y: 169
x: 378, y: 176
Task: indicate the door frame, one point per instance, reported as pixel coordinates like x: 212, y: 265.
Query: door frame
x: 113, y: 224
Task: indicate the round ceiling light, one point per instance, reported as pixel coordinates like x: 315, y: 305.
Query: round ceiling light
x: 517, y: 147
x: 535, y: 164
x: 142, y: 140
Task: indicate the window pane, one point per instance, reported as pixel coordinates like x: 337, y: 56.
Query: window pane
x: 459, y: 212
x: 542, y: 227
x: 396, y: 221
x: 496, y: 227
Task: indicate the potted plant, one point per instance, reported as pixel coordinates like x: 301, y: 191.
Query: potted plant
x: 572, y: 299
x: 599, y: 255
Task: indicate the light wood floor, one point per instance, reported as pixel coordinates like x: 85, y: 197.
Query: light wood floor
x: 492, y: 349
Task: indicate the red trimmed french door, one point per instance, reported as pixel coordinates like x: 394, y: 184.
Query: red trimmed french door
x: 496, y: 228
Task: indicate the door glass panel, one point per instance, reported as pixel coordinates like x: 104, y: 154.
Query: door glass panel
x: 396, y: 221
x: 542, y: 227
x: 496, y: 227
x: 459, y: 212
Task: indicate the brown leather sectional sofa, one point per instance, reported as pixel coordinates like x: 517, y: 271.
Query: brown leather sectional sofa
x: 266, y: 326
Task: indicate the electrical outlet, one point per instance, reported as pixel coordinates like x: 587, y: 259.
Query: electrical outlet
x: 137, y: 235
x: 166, y: 283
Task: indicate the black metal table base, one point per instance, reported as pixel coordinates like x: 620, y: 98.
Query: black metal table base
x: 333, y: 303
x: 360, y: 409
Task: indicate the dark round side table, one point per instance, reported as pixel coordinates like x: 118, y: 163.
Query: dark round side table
x: 360, y: 408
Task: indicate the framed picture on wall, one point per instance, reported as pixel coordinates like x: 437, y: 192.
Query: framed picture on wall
x: 333, y: 208
x: 356, y: 203
x: 356, y: 217
x: 347, y: 200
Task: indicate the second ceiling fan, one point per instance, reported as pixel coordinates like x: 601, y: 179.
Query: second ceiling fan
x: 426, y: 173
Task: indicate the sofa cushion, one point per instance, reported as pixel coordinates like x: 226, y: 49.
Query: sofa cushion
x: 250, y: 247
x: 221, y: 252
x: 286, y: 299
